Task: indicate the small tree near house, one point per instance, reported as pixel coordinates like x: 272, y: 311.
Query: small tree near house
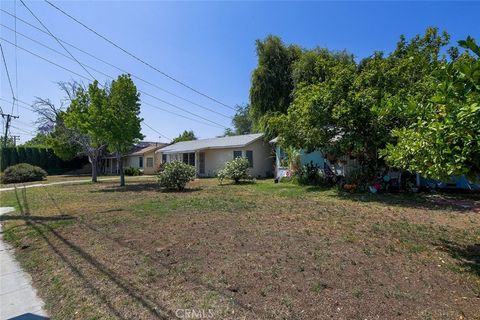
x: 123, y: 116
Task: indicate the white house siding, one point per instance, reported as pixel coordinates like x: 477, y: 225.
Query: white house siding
x: 262, y: 159
x: 134, y: 162
x: 215, y: 159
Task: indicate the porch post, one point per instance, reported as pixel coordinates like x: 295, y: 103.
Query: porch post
x: 197, y: 163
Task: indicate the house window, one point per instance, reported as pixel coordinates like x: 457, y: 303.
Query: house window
x: 249, y: 155
x: 191, y: 159
x: 140, y: 162
x: 149, y: 162
x: 185, y: 158
x: 237, y: 154
x: 164, y: 158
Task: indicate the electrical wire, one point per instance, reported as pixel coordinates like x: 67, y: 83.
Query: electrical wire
x: 51, y: 34
x: 111, y: 65
x: 16, y: 55
x: 86, y: 78
x: 8, y: 76
x: 161, y: 134
x: 137, y: 58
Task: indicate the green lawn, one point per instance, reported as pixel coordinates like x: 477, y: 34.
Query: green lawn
x: 254, y: 251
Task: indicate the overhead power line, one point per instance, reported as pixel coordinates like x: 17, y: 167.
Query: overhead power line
x: 59, y: 42
x: 111, y: 65
x: 8, y: 76
x: 27, y: 106
x: 24, y: 131
x: 137, y: 58
x: 16, y: 55
x: 25, y: 103
x: 155, y: 130
x: 143, y: 102
x: 106, y: 75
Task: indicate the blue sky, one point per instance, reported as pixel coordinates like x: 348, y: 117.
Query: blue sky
x: 208, y: 45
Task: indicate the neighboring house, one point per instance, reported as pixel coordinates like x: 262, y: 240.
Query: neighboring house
x: 209, y: 156
x: 346, y: 165
x: 141, y: 156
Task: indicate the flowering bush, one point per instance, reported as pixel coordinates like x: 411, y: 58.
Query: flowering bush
x: 175, y: 175
x: 236, y: 170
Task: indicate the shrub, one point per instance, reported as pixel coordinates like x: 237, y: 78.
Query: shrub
x: 310, y: 174
x: 23, y: 172
x: 175, y: 175
x: 131, y: 171
x: 236, y: 170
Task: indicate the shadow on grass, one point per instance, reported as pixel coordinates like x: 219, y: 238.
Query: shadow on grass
x: 137, y: 187
x: 186, y: 190
x: 438, y: 201
x: 468, y: 255
x: 239, y: 183
x: 134, y: 293
x: 36, y: 218
x: 45, y: 231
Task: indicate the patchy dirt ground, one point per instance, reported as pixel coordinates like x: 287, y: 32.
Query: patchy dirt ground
x: 256, y: 251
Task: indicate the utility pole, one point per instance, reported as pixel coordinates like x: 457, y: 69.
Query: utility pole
x: 7, y: 125
x: 15, y: 138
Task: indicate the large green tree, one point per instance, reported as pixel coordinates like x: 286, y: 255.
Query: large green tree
x: 124, y: 122
x: 348, y: 108
x: 272, y: 82
x: 444, y: 140
x: 87, y: 122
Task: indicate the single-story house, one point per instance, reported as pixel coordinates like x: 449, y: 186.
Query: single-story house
x: 141, y: 156
x: 209, y: 156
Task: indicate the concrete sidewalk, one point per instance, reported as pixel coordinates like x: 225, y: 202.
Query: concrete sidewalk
x: 18, y: 299
x: 63, y: 182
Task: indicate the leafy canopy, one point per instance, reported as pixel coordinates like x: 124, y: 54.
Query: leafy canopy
x: 185, y: 136
x: 444, y: 140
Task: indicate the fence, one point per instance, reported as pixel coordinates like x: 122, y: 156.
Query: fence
x: 41, y: 157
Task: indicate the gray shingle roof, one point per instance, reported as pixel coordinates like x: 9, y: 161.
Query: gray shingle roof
x: 213, y: 143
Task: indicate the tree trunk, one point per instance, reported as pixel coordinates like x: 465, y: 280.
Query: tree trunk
x: 94, y: 163
x: 120, y: 168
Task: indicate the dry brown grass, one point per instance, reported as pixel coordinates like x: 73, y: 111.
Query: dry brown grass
x: 254, y: 251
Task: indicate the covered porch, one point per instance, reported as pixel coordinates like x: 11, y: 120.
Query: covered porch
x: 193, y: 158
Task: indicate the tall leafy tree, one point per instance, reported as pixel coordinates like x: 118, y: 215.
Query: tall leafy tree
x: 444, y: 140
x: 272, y: 82
x: 87, y: 123
x: 242, y: 120
x: 186, y: 135
x: 123, y: 125
x: 51, y: 123
x: 350, y: 108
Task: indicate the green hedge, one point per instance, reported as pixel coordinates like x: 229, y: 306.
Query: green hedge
x: 41, y: 157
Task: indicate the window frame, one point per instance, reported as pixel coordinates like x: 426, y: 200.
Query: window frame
x: 250, y: 159
x: 236, y: 152
x: 147, y: 162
